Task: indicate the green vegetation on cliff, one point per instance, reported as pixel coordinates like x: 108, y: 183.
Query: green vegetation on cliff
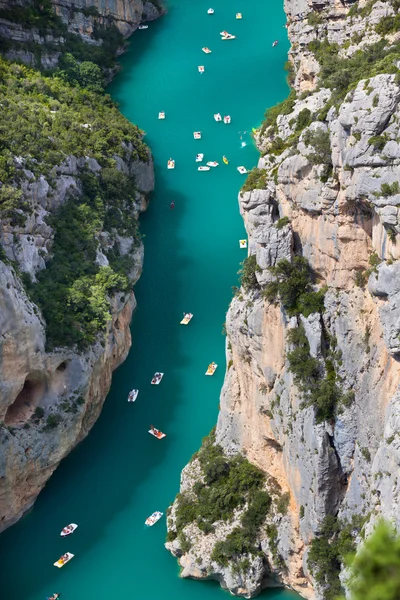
x: 46, y: 120
x: 226, y: 484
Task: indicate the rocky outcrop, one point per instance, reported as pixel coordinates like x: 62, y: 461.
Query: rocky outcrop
x: 83, y: 18
x: 50, y: 400
x: 330, y: 163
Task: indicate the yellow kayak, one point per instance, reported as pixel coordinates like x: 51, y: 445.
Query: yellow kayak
x: 226, y: 161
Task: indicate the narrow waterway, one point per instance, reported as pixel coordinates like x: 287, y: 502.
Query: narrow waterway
x: 120, y: 474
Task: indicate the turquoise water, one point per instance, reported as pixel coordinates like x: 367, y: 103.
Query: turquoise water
x: 120, y: 474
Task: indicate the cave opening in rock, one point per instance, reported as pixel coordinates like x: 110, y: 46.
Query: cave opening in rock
x: 25, y: 403
x: 62, y: 366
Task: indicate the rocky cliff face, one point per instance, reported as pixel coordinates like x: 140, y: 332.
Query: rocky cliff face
x: 42, y: 45
x: 327, y: 189
x: 74, y: 177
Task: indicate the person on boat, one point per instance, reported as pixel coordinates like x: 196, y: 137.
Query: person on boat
x: 172, y: 205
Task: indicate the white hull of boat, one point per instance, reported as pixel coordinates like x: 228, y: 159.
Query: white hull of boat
x: 171, y: 164
x: 186, y: 319
x: 157, y: 434
x: 199, y: 157
x: 197, y: 135
x: 152, y: 520
x: 243, y: 243
x: 211, y: 369
x: 72, y: 527
x: 212, y: 164
x: 242, y: 170
x: 60, y: 562
x: 161, y: 115
x: 203, y: 168
x: 157, y: 377
x: 206, y: 50
x: 133, y: 394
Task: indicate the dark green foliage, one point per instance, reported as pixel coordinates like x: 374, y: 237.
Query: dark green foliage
x: 305, y: 368
x: 283, y: 503
x: 283, y: 108
x: 366, y: 454
x: 320, y: 141
x: 38, y: 15
x: 255, y: 180
x: 303, y: 120
x: 73, y: 290
x: 38, y: 413
x: 282, y: 222
x: 86, y: 74
x: 378, y: 141
x: 45, y: 138
x: 389, y: 189
x: 342, y: 74
x: 314, y: 19
x: 301, y: 512
x: 293, y: 287
x: 248, y: 278
x: 336, y: 540
x: 52, y: 422
x: 375, y: 569
x: 388, y: 24
x: 229, y: 482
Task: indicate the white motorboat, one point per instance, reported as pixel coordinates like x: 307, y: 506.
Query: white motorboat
x: 217, y: 117
x: 212, y: 163
x: 210, y: 11
x: 143, y: 27
x: 157, y: 433
x: 69, y: 529
x: 239, y: 15
x: 161, y: 115
x: 224, y: 33
x: 242, y: 170
x: 199, y: 157
x: 53, y: 597
x: 171, y: 164
x: 206, y: 50
x: 228, y: 37
x: 187, y: 318
x: 201, y: 69
x: 203, y: 168
x: 152, y: 520
x: 64, y: 559
x: 212, y: 367
x: 227, y: 120
x: 133, y: 394
x: 243, y: 243
x: 157, y: 378
x: 275, y: 43
x: 197, y: 135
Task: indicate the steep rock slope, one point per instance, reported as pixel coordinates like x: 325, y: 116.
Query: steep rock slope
x: 75, y: 174
x: 311, y: 394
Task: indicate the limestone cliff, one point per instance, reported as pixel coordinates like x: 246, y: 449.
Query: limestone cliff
x: 41, y: 39
x: 74, y: 177
x: 311, y: 394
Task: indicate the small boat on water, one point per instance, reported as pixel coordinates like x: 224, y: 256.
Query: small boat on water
x: 239, y: 15
x: 228, y: 37
x: 157, y: 378
x: 197, y: 135
x: 133, y: 394
x: 203, y: 168
x: 199, y: 157
x: 227, y: 120
x: 217, y: 117
x: 152, y: 520
x: 224, y: 33
x: 171, y: 164
x: 275, y: 43
x: 54, y: 596
x: 161, y: 115
x: 226, y: 161
x: 212, y: 163
x: 242, y: 170
x: 243, y: 243
x: 210, y: 11
x: 143, y: 27
x: 206, y: 50
x: 201, y: 69
x: 212, y: 367
x: 157, y: 433
x: 63, y: 560
x: 187, y: 318
x: 69, y: 529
